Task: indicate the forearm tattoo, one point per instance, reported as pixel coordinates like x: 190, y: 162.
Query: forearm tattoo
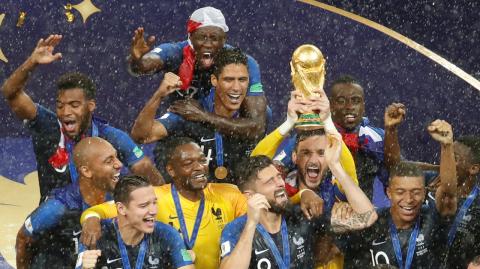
x: 355, y: 222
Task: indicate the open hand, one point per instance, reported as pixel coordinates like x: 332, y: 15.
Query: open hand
x: 140, y: 46
x: 43, y: 52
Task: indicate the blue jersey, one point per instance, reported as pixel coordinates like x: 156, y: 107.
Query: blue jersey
x: 165, y: 249
x: 233, y: 148
x: 172, y: 57
x: 301, y: 241
x: 46, y: 136
x: 55, y: 225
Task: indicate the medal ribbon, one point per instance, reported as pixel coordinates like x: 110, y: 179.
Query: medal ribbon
x: 183, y: 227
x: 70, y: 145
x: 123, y: 249
x: 412, y: 242
x: 461, y: 213
x: 282, y: 262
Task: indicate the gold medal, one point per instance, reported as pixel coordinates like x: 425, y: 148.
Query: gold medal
x: 221, y: 172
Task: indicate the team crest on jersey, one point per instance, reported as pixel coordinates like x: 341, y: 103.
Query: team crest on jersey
x: 218, y: 216
x: 153, y: 261
x: 299, y: 243
x: 467, y: 218
x: 421, y: 248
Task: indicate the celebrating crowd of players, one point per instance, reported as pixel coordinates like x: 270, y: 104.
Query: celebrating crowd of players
x: 340, y: 196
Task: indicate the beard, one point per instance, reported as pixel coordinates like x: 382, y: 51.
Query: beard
x: 278, y: 208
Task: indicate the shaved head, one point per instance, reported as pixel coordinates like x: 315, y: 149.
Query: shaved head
x: 85, y: 151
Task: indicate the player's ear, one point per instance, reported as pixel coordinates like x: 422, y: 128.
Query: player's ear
x: 213, y: 80
x: 85, y: 171
x: 474, y: 169
x: 389, y: 193
x: 121, y: 208
x: 170, y: 170
x: 294, y: 156
x: 91, y: 105
x: 248, y: 193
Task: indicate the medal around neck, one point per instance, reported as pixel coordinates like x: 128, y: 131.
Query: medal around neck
x: 221, y: 172
x: 308, y: 75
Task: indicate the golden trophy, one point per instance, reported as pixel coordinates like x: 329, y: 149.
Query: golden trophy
x: 308, y: 75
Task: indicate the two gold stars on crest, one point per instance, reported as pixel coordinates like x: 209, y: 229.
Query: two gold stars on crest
x: 85, y: 8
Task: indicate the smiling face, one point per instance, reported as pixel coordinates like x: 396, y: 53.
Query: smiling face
x: 270, y: 183
x: 406, y: 194
x: 74, y: 111
x: 230, y: 87
x: 347, y: 104
x: 207, y: 41
x: 141, y: 210
x: 310, y: 160
x: 188, y: 167
x: 105, y: 167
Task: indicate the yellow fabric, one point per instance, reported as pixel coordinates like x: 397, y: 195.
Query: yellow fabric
x: 336, y: 263
x: 223, y: 203
x: 268, y: 145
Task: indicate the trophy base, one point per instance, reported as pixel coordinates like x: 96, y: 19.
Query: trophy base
x: 309, y: 121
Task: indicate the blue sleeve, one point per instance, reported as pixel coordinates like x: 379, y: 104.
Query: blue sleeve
x: 171, y: 54
x: 171, y: 121
x: 129, y: 153
x: 45, y: 122
x: 255, y: 87
x: 230, y: 235
x: 46, y: 216
x: 81, y: 249
x: 284, y: 152
x: 178, y: 252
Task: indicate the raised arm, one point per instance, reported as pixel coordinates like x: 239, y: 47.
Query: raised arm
x: 14, y: 87
x: 90, y: 220
x: 446, y: 194
x: 250, y: 125
x: 363, y: 213
x: 394, y: 115
x: 241, y: 254
x: 146, y: 129
x: 141, y: 60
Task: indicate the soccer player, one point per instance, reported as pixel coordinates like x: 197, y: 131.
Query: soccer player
x: 55, y: 134
x: 192, y: 60
x: 464, y: 230
x: 53, y: 228
x: 408, y: 234
x: 230, y: 81
x: 134, y: 238
x: 270, y: 237
x: 197, y: 209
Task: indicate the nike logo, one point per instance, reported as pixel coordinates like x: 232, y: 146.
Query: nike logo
x: 77, y: 233
x: 375, y: 243
x: 206, y: 139
x: 260, y: 252
x: 110, y: 261
x: 170, y: 217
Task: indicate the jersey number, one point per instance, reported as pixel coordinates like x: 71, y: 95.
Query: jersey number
x: 375, y: 258
x: 264, y: 261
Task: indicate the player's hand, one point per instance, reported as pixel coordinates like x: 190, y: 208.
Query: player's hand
x: 90, y: 257
x: 333, y: 149
x: 394, y: 115
x: 342, y: 211
x: 297, y: 105
x: 91, y: 232
x: 169, y: 84
x: 320, y: 104
x: 256, y: 203
x: 140, y: 46
x: 43, y: 52
x: 311, y: 204
x: 189, y: 109
x: 441, y: 131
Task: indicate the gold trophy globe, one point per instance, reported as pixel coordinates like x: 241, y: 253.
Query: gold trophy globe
x: 308, y: 75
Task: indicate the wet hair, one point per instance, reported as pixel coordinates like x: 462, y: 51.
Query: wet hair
x: 406, y: 169
x: 345, y: 79
x: 77, y: 80
x: 303, y: 135
x: 476, y: 261
x: 173, y: 144
x: 126, y: 185
x: 247, y: 170
x: 473, y: 143
x: 226, y: 56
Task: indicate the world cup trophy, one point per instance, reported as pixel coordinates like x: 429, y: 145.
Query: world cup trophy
x: 308, y: 75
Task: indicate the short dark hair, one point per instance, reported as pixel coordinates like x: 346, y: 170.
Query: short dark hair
x: 406, y: 169
x: 174, y: 143
x: 247, y: 170
x: 126, y: 185
x: 476, y: 260
x: 305, y: 134
x: 77, y: 80
x: 345, y: 79
x: 473, y: 143
x: 226, y: 56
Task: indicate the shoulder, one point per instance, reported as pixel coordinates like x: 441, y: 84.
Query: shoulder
x: 223, y: 188
x: 166, y: 233
x: 69, y: 196
x: 162, y: 191
x: 235, y: 227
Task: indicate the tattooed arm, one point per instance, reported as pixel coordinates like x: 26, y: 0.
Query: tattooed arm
x: 345, y: 219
